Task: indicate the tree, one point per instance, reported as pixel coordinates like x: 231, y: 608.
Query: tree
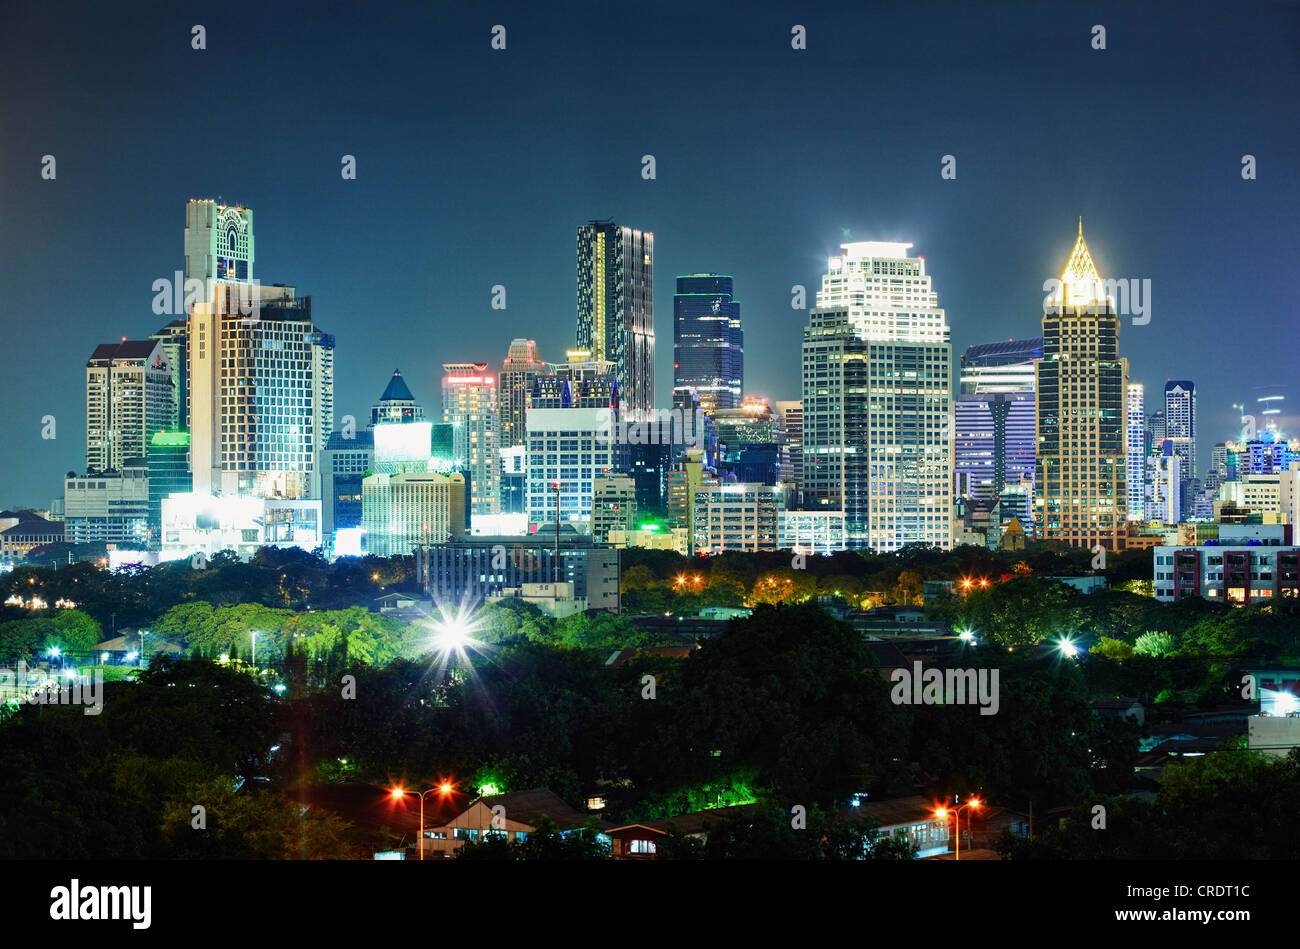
x: 1154, y: 644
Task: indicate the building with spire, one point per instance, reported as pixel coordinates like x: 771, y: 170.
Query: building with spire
x: 1081, y: 380
x: 396, y: 404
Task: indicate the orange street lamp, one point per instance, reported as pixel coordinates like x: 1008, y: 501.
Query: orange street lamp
x: 942, y: 814
x: 444, y: 788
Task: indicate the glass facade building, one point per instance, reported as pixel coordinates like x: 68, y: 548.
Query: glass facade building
x: 708, y: 342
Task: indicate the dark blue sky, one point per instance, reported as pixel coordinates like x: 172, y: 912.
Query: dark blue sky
x: 475, y: 167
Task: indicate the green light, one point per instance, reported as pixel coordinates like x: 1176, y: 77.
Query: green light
x: 489, y: 790
x: 649, y: 527
x: 171, y: 439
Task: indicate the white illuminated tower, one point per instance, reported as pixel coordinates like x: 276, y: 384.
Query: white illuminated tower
x: 1135, y: 449
x: 877, y: 400
x: 469, y: 405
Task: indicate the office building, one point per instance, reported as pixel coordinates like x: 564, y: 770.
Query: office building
x: 175, y: 343
x: 737, y: 516
x: 108, y: 507
x: 1162, y: 500
x: 790, y: 418
x: 613, y: 506
x: 993, y: 441
x: 402, y: 511
x: 1081, y: 382
x: 616, y: 308
x: 568, y: 449
x: 877, y: 400
x: 168, y: 462
x: 344, y: 464
x: 708, y: 343
x: 396, y: 405
x: 1180, y: 428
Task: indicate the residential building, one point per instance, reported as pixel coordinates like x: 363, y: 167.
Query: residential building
x: 1135, y: 451
x: 1241, y: 567
x: 790, y: 418
x: 616, y: 308
x: 1180, y: 429
x: 469, y: 405
x: 129, y: 397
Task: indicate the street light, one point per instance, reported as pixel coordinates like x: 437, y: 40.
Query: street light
x: 254, y: 634
x: 443, y: 787
x: 942, y: 814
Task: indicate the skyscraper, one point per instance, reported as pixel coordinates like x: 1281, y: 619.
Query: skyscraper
x: 176, y: 349
x: 708, y: 343
x: 129, y: 398
x: 616, y: 307
x: 396, y: 404
x: 791, y: 416
x: 993, y: 441
x: 469, y: 405
x: 260, y: 373
x: 877, y: 400
x: 1082, y: 492
x: 1135, y: 451
x: 523, y: 362
x: 1180, y: 429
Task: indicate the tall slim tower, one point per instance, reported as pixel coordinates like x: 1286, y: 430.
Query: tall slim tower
x: 616, y: 308
x: 1081, y: 381
x: 1135, y: 451
x: 708, y: 343
x: 1180, y: 428
x: 877, y: 400
x: 469, y: 405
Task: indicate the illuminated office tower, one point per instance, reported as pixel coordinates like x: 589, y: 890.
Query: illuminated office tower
x: 616, y: 308
x: 261, y: 392
x: 877, y: 400
x: 469, y: 405
x: 708, y: 343
x: 522, y: 364
x: 1180, y: 428
x: 993, y: 419
x: 1135, y: 450
x: 260, y: 373
x: 1155, y: 434
x: 129, y: 398
x: 1082, y: 492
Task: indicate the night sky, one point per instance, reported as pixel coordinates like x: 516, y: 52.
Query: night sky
x: 475, y: 166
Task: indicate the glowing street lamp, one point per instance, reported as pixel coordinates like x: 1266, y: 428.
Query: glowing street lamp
x: 1067, y: 647
x: 445, y: 788
x: 943, y: 812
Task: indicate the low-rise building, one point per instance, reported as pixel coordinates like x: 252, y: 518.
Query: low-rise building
x: 1245, y: 565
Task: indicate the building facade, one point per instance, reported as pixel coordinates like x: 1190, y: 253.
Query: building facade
x: 469, y: 405
x: 1135, y: 450
x: 402, y: 511
x: 523, y: 363
x: 708, y: 342
x: 616, y: 307
x: 737, y: 516
x: 568, y: 449
x: 1081, y: 459
x: 129, y: 397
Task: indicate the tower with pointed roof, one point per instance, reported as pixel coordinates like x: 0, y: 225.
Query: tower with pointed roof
x: 396, y: 404
x: 1081, y: 443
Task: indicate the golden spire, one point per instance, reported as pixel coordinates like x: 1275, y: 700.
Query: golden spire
x: 1080, y: 277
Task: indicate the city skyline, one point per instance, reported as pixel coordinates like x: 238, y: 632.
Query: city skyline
x: 391, y: 287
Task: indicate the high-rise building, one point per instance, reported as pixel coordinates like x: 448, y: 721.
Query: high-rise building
x: 581, y: 382
x: 1081, y: 379
x: 168, y: 460
x: 877, y: 400
x: 993, y: 420
x: 260, y: 373
x: 173, y: 338
x: 616, y: 308
x: 469, y: 405
x: 791, y: 420
x: 522, y: 364
x: 1163, y: 501
x: 1135, y: 451
x: 128, y: 398
x: 344, y: 465
x: 708, y: 343
x: 402, y: 511
x: 1155, y: 436
x: 261, y: 392
x: 1180, y: 428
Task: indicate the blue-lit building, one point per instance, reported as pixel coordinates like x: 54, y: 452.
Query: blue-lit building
x: 708, y: 343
